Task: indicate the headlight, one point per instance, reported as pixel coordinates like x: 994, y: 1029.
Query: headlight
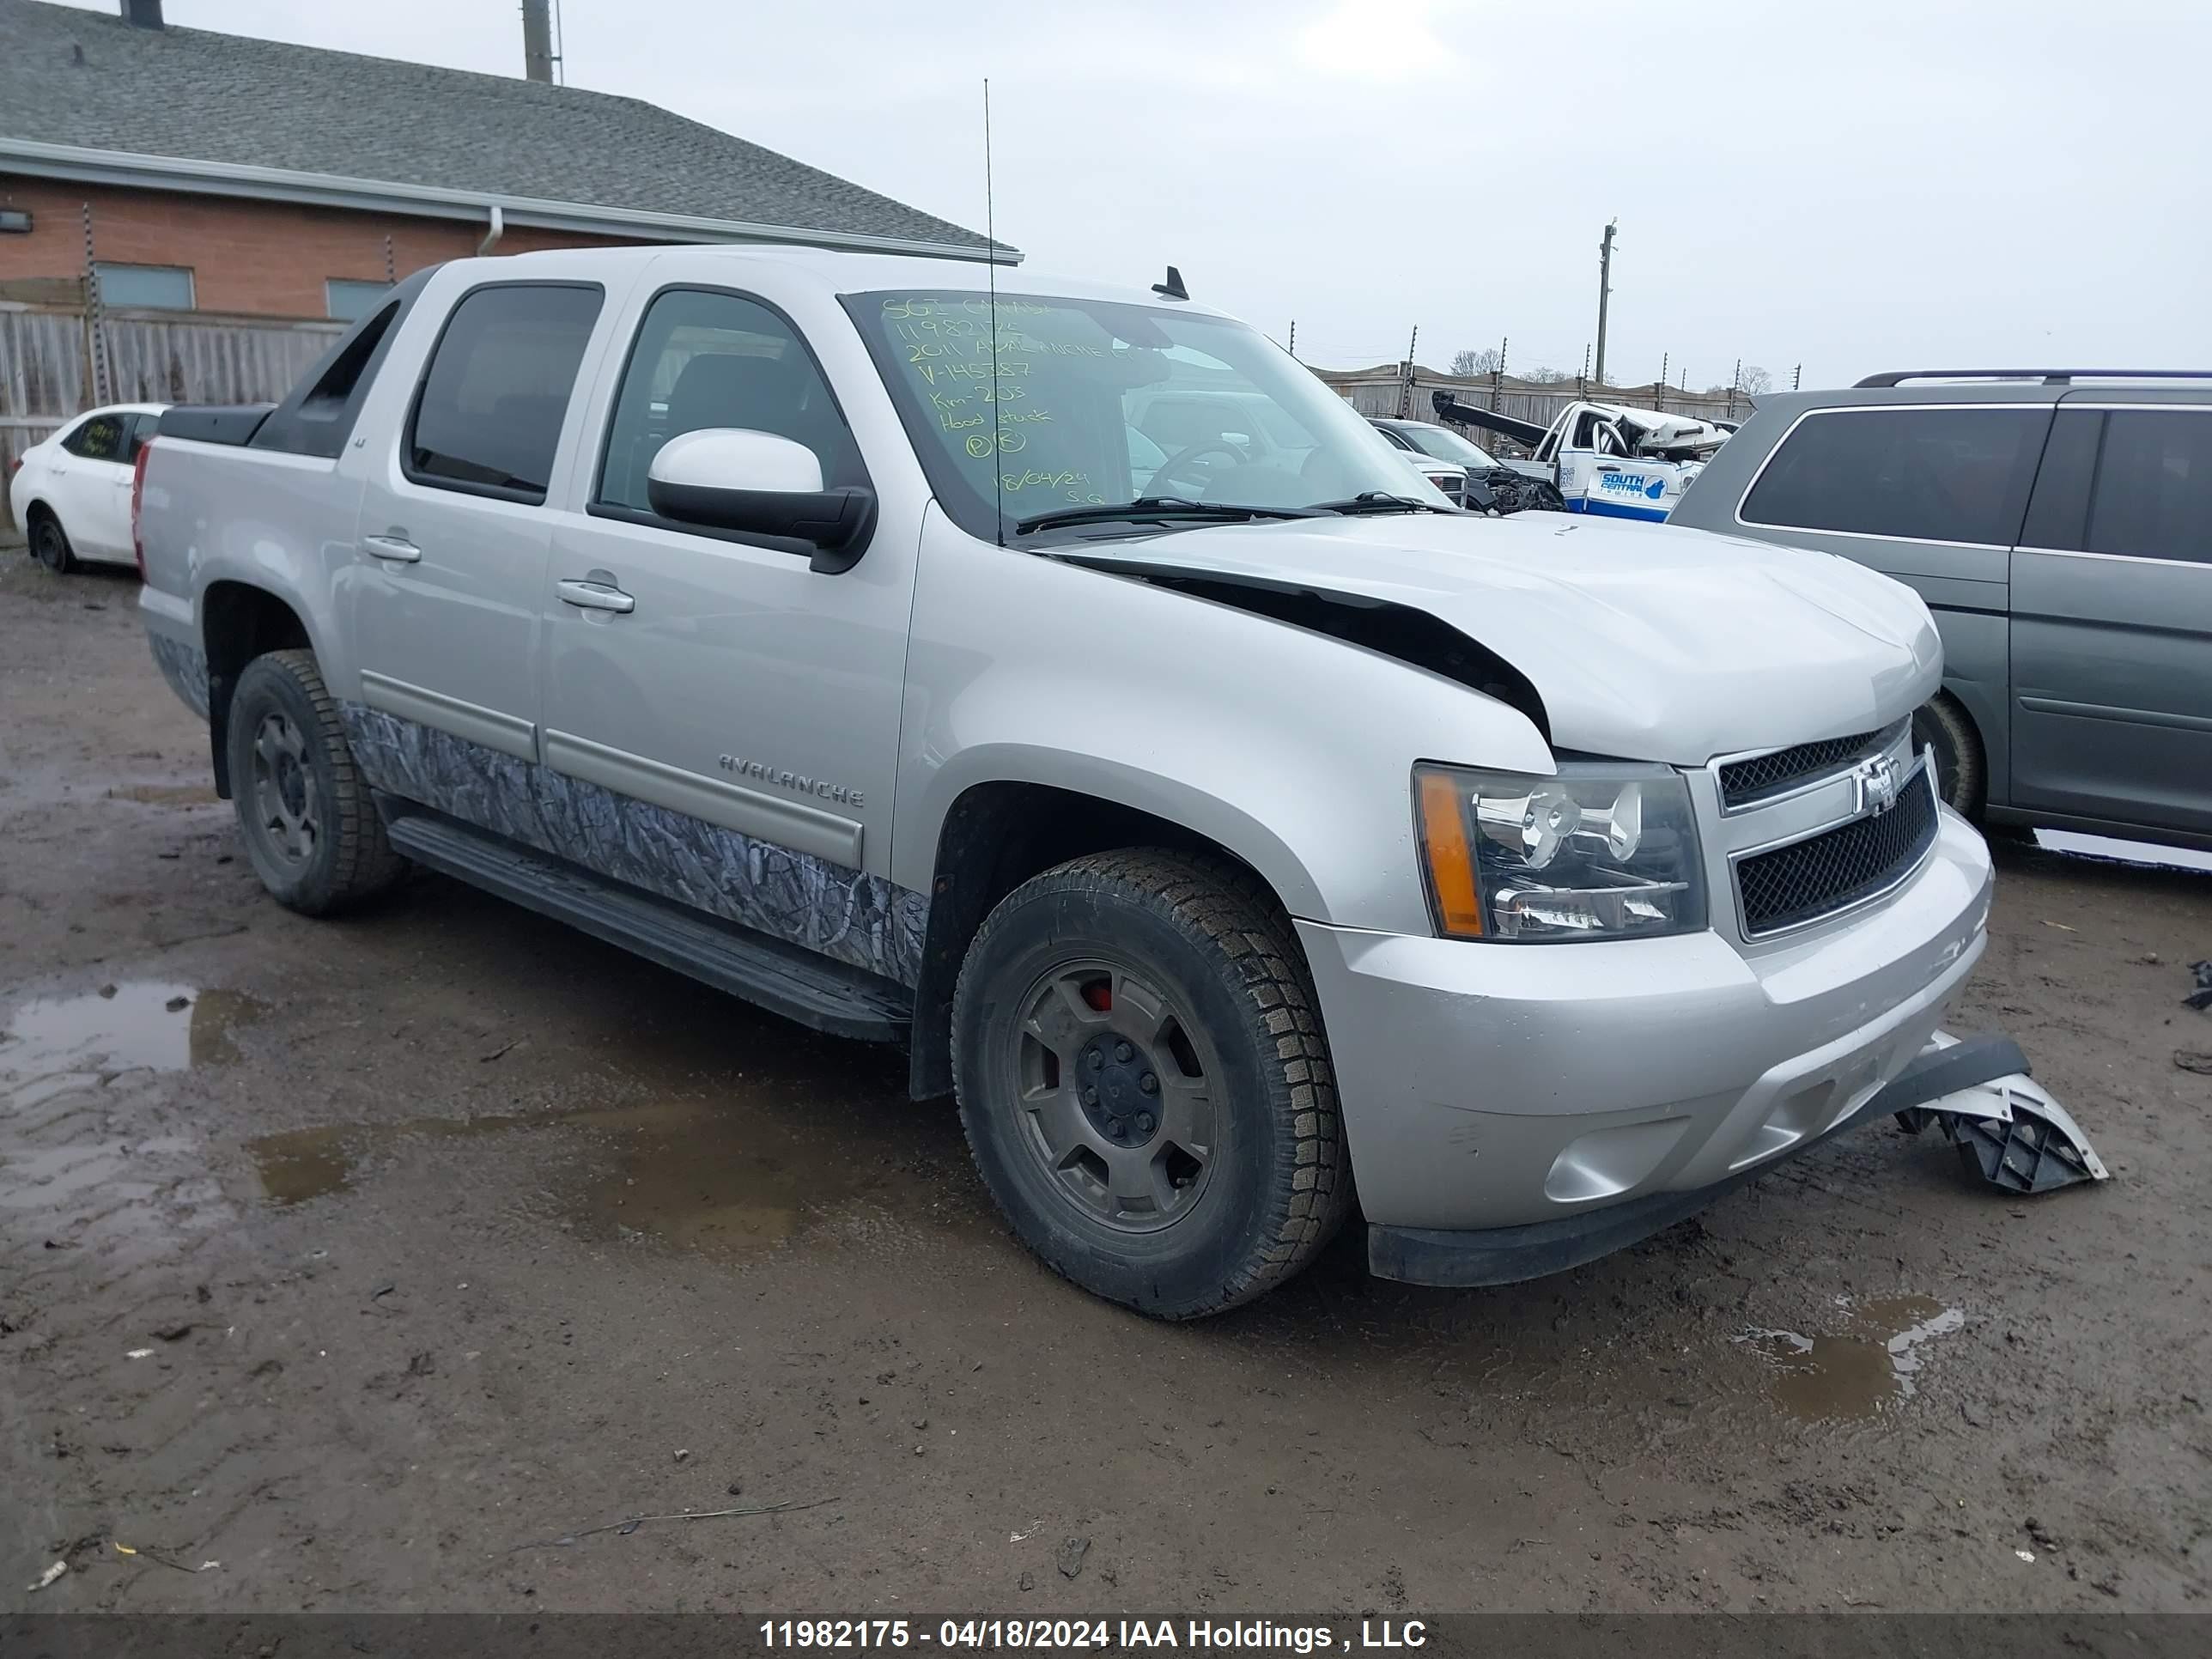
x: 1600, y: 851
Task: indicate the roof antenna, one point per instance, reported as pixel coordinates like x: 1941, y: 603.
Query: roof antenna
x: 1172, y: 288
x: 991, y: 273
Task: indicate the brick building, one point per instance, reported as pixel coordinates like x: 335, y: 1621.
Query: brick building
x: 184, y: 171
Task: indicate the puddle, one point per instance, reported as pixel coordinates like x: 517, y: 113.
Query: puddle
x: 167, y: 794
x: 1855, y: 1374
x: 2122, y: 852
x: 691, y: 1175
x: 57, y: 1042
x: 303, y: 1165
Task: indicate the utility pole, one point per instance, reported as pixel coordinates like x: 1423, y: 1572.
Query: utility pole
x: 1604, y: 292
x: 1659, y: 398
x: 1796, y: 375
x: 1294, y: 337
x: 538, y: 55
x: 1405, y: 379
x: 1496, y: 374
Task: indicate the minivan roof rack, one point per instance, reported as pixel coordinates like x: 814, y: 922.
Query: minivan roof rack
x: 2048, y: 376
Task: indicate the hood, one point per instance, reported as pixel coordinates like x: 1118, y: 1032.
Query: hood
x: 1644, y: 641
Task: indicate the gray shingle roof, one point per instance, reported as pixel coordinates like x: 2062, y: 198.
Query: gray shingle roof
x: 193, y: 94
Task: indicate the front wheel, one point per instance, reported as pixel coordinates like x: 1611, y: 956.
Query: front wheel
x: 311, y: 832
x: 1144, y: 1082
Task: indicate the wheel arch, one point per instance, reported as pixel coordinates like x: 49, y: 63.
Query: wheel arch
x: 999, y: 832
x: 240, y: 621
x: 1977, y: 685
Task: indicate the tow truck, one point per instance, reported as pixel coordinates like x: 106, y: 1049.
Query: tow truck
x: 1604, y: 459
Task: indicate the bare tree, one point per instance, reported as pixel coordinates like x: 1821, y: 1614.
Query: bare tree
x: 1466, y: 364
x: 1755, y: 380
x: 1545, y: 376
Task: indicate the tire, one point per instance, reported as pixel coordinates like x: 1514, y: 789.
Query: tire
x: 1171, y: 981
x: 311, y: 832
x: 50, y: 544
x: 1961, y: 776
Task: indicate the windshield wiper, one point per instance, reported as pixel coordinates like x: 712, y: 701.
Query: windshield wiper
x: 1159, y: 506
x: 1378, y: 501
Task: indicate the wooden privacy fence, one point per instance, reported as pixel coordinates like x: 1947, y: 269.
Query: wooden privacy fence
x: 1388, y: 389
x: 58, y: 360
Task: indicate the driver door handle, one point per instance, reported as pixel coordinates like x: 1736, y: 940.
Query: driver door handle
x: 396, y: 549
x: 595, y: 596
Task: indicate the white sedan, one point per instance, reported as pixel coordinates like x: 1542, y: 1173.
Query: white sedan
x: 72, y: 492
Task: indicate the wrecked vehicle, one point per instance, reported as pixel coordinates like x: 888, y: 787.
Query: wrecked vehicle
x: 1604, y: 459
x: 790, y: 618
x: 1486, y: 484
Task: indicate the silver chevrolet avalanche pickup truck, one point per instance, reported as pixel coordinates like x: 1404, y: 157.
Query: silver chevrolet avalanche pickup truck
x: 791, y: 619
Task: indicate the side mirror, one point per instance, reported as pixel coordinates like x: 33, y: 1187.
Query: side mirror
x: 760, y: 484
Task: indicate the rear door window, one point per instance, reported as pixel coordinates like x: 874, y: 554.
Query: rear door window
x: 100, y: 439
x: 488, y: 415
x: 2153, y: 494
x: 1938, y: 475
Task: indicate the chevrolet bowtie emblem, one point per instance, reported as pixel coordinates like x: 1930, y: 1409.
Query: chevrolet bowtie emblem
x: 1874, y: 784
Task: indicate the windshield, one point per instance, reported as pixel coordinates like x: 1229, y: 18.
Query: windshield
x: 1085, y: 403
x: 1446, y: 446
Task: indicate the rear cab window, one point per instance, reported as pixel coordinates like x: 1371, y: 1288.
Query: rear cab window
x: 488, y: 414
x: 1956, y: 473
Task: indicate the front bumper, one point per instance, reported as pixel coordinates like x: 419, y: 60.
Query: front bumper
x: 1503, y: 1086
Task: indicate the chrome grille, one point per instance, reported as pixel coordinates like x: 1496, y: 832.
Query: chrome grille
x: 1759, y: 777
x: 1807, y: 879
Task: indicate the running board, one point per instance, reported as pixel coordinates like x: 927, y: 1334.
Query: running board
x: 785, y: 979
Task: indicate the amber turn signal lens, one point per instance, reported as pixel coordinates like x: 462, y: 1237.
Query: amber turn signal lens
x: 1450, y: 860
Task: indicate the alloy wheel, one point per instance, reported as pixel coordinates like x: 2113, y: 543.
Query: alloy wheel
x: 287, y: 804
x: 1120, y: 1094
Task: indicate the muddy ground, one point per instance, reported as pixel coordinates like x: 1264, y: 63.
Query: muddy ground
x: 366, y: 1259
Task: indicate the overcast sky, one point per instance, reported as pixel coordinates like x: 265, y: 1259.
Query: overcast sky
x: 1851, y: 185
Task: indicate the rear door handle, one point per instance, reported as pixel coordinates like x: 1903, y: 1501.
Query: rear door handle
x: 595, y: 596
x: 396, y: 549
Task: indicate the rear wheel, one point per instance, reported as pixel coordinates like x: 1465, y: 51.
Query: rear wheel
x: 1145, y: 1083
x: 51, y: 545
x: 1961, y: 778
x: 311, y: 832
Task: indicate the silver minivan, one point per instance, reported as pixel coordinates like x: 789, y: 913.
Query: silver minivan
x: 2058, y: 523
